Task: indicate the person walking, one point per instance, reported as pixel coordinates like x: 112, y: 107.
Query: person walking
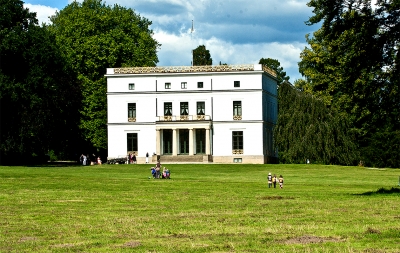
x: 281, y: 181
x: 147, y: 157
x: 274, y: 179
x: 269, y: 180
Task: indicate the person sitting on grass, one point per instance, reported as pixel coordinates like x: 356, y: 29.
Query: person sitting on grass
x: 153, y: 172
x: 167, y: 174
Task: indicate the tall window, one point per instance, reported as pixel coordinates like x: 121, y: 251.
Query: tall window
x: 131, y: 86
x: 199, y: 84
x: 236, y: 84
x: 201, y: 108
x: 131, y: 110
x: 168, y: 109
x: 237, y: 110
x: 132, y: 142
x: 184, y: 108
x: 167, y: 85
x: 183, y: 85
x: 237, y: 140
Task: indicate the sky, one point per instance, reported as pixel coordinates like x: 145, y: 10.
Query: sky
x: 234, y: 31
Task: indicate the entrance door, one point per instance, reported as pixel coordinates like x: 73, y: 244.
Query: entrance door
x: 167, y: 141
x: 184, y: 141
x: 200, y: 141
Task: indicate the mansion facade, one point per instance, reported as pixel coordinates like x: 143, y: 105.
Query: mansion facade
x: 220, y: 114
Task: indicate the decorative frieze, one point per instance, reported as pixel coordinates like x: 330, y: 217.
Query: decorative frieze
x: 189, y: 69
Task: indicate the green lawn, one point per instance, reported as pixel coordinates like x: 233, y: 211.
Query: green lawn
x: 202, y: 208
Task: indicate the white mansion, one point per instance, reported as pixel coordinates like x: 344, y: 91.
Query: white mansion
x: 220, y: 114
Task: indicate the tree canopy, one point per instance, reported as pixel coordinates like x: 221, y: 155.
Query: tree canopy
x: 94, y: 36
x: 38, y: 92
x: 275, y: 65
x: 353, y: 65
x: 201, y: 56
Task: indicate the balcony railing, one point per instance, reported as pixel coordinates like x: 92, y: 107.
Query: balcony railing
x: 184, y: 117
x: 237, y: 151
x: 132, y: 119
x: 237, y: 117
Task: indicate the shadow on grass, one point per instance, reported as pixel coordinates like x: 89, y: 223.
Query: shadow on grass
x: 392, y: 190
x: 57, y: 164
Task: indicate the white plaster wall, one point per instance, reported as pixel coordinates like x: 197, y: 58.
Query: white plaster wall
x: 252, y: 138
x: 121, y: 83
x: 251, y: 105
x: 117, y: 137
x: 117, y: 110
x: 226, y: 80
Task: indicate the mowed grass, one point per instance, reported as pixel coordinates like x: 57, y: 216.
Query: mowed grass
x: 202, y: 208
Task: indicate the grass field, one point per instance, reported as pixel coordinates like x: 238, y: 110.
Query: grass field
x: 202, y: 208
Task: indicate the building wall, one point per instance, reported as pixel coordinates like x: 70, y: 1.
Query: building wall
x: 257, y: 93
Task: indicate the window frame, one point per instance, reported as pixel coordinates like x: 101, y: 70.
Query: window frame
x: 131, y: 142
x: 199, y: 108
x: 237, y: 108
x: 200, y: 85
x: 184, y: 110
x: 131, y: 110
x: 167, y: 86
x: 236, y: 84
x: 131, y: 86
x: 237, y: 140
x: 183, y: 85
x: 167, y: 108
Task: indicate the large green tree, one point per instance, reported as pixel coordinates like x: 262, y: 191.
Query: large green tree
x: 353, y: 65
x: 94, y: 36
x: 308, y: 129
x: 276, y: 66
x: 201, y: 56
x: 38, y: 94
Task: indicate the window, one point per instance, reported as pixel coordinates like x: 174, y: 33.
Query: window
x: 132, y: 142
x: 237, y: 160
x: 184, y: 108
x: 236, y: 84
x: 167, y: 85
x: 237, y: 141
x: 201, y: 108
x: 237, y: 110
x: 131, y: 86
x: 167, y: 109
x: 183, y: 85
x: 199, y: 84
x: 131, y: 112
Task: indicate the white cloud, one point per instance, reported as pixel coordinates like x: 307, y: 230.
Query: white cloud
x: 176, y: 50
x: 42, y: 12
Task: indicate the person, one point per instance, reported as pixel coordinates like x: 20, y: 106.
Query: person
x: 134, y: 158
x: 84, y: 160
x: 153, y: 172
x: 130, y: 158
x: 281, y: 181
x: 147, y: 157
x: 164, y: 175
x: 167, y: 174
x: 98, y: 160
x: 269, y: 180
x: 158, y: 167
x: 274, y: 179
x: 81, y: 159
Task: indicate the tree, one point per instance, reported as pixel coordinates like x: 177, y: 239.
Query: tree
x: 201, y: 56
x: 38, y: 94
x: 352, y: 63
x: 276, y: 66
x: 307, y: 129
x: 93, y: 37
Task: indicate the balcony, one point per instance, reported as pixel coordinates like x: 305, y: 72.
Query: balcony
x: 237, y: 117
x: 132, y: 119
x: 237, y: 151
x: 184, y: 118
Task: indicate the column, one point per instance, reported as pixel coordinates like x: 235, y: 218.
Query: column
x: 208, y: 141
x: 174, y: 142
x: 191, y: 141
x: 158, y: 143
